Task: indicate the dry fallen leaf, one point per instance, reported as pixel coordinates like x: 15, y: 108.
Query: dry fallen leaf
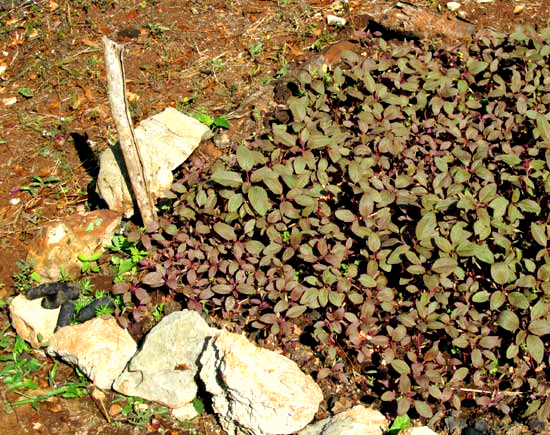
x: 519, y: 9
x: 53, y: 6
x: 115, y: 409
x: 90, y: 43
x: 131, y: 96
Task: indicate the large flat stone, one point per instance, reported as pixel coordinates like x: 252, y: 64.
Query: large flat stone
x: 165, y: 368
x: 257, y: 391
x: 99, y: 347
x: 165, y: 141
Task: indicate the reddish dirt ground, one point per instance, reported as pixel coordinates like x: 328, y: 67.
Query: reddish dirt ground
x: 212, y: 56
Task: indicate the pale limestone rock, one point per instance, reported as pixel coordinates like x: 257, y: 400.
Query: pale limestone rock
x: 453, y: 6
x: 422, y: 430
x: 31, y: 321
x: 165, y: 368
x: 187, y: 412
x: 59, y: 243
x: 256, y: 391
x: 99, y: 347
x: 165, y: 141
x: 354, y: 421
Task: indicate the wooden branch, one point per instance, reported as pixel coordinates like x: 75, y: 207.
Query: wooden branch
x: 116, y: 90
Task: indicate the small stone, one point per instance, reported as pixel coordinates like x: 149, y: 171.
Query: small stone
x: 357, y: 420
x: 333, y: 20
x: 222, y: 140
x: 423, y: 430
x: 256, y: 390
x: 187, y: 412
x: 32, y: 323
x: 100, y: 348
x: 453, y: 6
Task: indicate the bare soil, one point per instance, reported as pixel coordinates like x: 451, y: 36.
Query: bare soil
x: 213, y: 56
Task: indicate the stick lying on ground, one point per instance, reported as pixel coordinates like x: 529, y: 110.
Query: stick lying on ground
x: 116, y: 90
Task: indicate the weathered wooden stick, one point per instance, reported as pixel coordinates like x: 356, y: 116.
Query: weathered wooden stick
x: 116, y: 90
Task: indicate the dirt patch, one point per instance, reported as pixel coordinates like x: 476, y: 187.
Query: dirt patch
x: 216, y: 57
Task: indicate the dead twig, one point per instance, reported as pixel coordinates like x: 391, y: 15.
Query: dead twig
x: 129, y: 146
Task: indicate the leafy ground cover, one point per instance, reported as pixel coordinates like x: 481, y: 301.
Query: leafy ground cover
x: 400, y: 214
x: 390, y: 235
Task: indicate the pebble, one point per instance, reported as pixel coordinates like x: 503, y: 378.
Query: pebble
x: 453, y: 6
x: 333, y: 20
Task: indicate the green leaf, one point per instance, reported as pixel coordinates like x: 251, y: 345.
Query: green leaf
x: 476, y: 66
x: 543, y: 126
x: 296, y: 311
x: 540, y: 327
x: 345, y: 215
x: 88, y: 258
x: 234, y: 203
x: 529, y: 206
x: 227, y: 178
x: 460, y: 374
x: 509, y: 159
x: 225, y: 231
x: 245, y: 158
x: 443, y: 244
x: 535, y: 347
x: 518, y: 300
x: 298, y: 107
x: 538, y: 231
x: 400, y: 367
x: 508, y: 320
x: 484, y: 254
x: 426, y: 226
x: 221, y: 122
x: 499, y: 206
x: 281, y: 136
x: 257, y: 196
x: 395, y: 256
x: 423, y: 409
x: 25, y: 92
x: 500, y: 272
x: 481, y: 296
x: 400, y: 423
x: 497, y: 299
x: 444, y: 265
x: 204, y: 118
x: 532, y: 408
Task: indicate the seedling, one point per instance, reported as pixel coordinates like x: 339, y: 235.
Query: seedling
x: 38, y: 183
x: 26, y: 278
x: 139, y: 413
x: 157, y: 312
x: 400, y: 423
x: 217, y: 122
x: 89, y: 262
x: 255, y: 50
